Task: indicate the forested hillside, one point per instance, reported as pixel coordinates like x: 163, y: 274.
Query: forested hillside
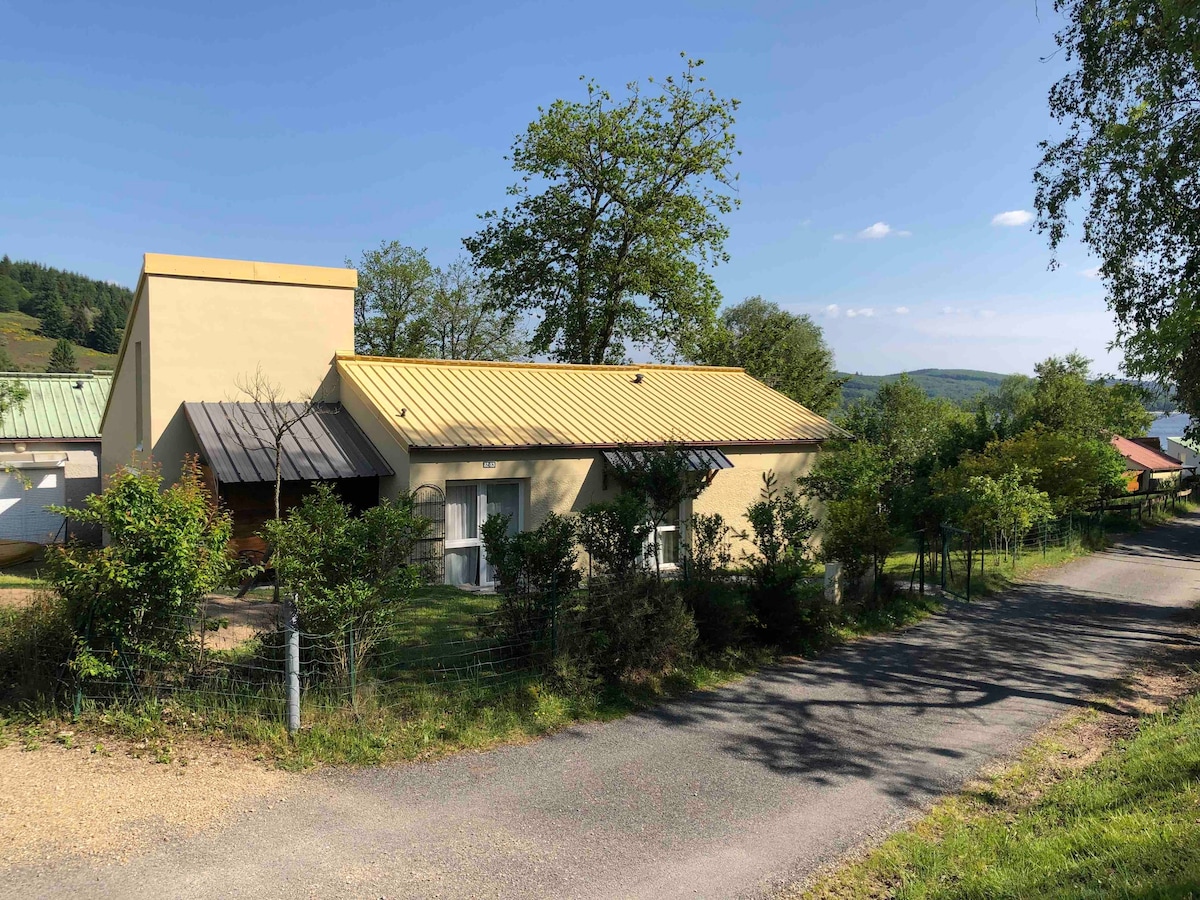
x: 953, y: 384
x: 40, y: 304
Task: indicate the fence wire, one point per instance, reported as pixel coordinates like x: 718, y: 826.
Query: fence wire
x: 421, y: 650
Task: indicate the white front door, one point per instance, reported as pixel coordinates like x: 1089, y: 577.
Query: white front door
x: 24, y: 496
x: 468, y: 506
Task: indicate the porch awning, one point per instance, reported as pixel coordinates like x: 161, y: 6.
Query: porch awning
x: 700, y: 459
x: 235, y: 440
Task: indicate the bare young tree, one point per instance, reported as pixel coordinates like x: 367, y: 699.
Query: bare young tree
x: 276, y: 418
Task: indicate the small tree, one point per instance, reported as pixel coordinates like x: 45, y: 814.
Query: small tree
x: 614, y: 534
x: 351, y: 574
x: 166, y: 550
x: 663, y: 479
x: 62, y: 357
x: 1005, y: 507
x: 276, y: 419
x: 535, y: 572
x: 781, y: 525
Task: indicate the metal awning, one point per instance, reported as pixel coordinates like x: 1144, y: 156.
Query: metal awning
x: 235, y: 440
x: 700, y: 459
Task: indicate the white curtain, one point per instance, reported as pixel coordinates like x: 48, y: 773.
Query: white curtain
x: 504, y: 500
x: 462, y: 520
x: 462, y: 566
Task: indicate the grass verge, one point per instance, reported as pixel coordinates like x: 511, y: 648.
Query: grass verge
x: 390, y: 724
x: 1106, y: 804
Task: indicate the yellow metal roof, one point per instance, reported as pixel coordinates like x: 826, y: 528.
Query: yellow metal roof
x: 445, y: 404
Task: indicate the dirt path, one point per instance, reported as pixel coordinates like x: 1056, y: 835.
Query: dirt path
x: 729, y: 793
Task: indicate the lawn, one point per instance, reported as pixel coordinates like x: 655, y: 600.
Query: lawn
x: 1127, y: 825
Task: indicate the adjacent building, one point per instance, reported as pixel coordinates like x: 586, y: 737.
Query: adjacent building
x: 1149, y: 469
x: 49, y: 452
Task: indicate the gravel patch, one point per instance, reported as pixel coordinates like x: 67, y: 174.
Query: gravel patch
x: 83, y: 801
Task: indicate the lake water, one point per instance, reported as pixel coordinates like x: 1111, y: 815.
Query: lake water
x: 1169, y: 426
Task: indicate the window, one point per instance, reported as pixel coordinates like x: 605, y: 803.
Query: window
x: 468, y: 506
x: 138, y: 395
x: 670, y: 534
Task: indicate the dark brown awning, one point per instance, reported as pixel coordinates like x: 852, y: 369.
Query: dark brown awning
x: 235, y: 440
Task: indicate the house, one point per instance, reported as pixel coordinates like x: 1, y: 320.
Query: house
x: 469, y: 439
x: 1187, y: 452
x: 49, y: 452
x: 1149, y: 469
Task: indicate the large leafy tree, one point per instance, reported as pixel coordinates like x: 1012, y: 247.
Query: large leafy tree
x: 405, y: 306
x: 462, y: 323
x: 786, y: 351
x: 616, y: 219
x: 1131, y: 154
x: 395, y: 288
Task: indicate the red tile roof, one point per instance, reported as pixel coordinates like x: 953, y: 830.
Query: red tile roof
x: 1142, y: 457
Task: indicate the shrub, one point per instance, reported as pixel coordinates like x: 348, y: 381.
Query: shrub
x: 350, y: 573
x: 167, y: 549
x: 719, y: 610
x: 788, y: 607
x: 857, y: 535
x: 709, y: 552
x: 614, y: 533
x: 638, y: 627
x: 781, y: 526
x: 36, y: 642
x: 535, y: 572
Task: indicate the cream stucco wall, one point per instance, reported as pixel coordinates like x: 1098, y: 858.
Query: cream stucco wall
x: 205, y: 324
x: 560, y: 481
x: 565, y: 481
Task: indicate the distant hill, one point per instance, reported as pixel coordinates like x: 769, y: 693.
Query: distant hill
x: 40, y: 304
x: 953, y: 384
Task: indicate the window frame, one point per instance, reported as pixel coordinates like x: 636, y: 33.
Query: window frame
x: 654, y: 545
x: 481, y: 487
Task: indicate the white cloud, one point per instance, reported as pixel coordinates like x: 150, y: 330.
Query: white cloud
x: 901, y: 310
x: 1013, y: 218
x: 880, y: 230
x: 839, y: 237
x: 866, y: 312
x: 987, y: 314
x: 832, y: 310
x: 851, y: 313
x: 1093, y: 272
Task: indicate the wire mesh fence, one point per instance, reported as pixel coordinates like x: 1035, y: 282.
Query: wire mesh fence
x: 957, y: 561
x: 423, y: 648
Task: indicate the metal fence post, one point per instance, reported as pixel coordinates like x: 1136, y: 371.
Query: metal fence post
x: 352, y: 661
x: 291, y: 663
x: 921, y: 554
x: 970, y: 564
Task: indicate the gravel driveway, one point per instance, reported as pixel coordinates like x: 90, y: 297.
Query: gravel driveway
x: 717, y: 795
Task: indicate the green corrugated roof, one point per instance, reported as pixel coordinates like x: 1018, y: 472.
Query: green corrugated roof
x: 58, y: 406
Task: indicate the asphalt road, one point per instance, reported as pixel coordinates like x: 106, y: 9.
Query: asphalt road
x: 718, y: 795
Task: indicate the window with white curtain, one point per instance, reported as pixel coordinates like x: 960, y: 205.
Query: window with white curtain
x: 670, y: 539
x: 468, y: 506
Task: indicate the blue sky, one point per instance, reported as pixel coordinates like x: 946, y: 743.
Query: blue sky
x: 306, y: 132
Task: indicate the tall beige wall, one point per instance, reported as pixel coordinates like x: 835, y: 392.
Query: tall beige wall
x: 204, y: 324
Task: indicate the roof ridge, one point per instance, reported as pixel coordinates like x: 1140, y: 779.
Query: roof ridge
x: 497, y: 364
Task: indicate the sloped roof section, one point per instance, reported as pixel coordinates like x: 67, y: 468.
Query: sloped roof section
x: 59, y: 406
x: 435, y: 404
x: 235, y: 439
x: 1142, y: 457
